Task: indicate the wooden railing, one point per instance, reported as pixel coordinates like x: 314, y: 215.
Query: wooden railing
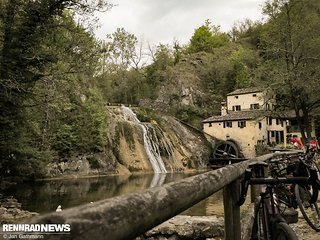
x: 128, y: 216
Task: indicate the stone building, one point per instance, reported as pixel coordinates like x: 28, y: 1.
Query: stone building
x: 246, y: 119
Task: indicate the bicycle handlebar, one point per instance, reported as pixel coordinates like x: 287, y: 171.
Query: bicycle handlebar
x: 275, y: 181
x: 312, y: 180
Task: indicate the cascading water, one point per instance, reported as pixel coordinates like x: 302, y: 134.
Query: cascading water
x: 150, y: 140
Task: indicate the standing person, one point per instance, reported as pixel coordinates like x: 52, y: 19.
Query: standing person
x: 314, y: 145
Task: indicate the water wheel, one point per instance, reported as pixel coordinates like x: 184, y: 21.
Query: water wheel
x: 226, y: 149
x: 226, y: 152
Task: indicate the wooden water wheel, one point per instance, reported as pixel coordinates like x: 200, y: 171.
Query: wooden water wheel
x: 226, y: 152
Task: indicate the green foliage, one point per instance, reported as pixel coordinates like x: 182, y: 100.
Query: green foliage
x: 94, y: 163
x: 290, y: 42
x: 126, y: 130
x: 120, y: 50
x: 146, y: 114
x: 161, y: 70
x: 86, y: 130
x: 46, y: 60
x: 91, y: 123
x: 192, y: 115
x: 65, y: 140
x: 206, y: 38
x: 55, y: 76
x: 122, y: 81
x: 245, y: 62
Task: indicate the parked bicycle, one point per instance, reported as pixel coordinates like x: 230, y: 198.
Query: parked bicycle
x: 269, y: 223
x: 302, y: 195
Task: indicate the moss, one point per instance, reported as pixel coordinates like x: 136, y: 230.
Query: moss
x: 189, y: 163
x: 162, y: 141
x: 146, y: 114
x: 126, y: 130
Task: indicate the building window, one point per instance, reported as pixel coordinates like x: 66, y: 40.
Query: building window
x: 236, y: 97
x: 242, y: 124
x: 277, y: 121
x: 254, y: 106
x: 227, y: 124
x: 254, y: 95
x: 273, y: 134
x: 270, y: 120
x: 260, y: 125
x: 236, y: 108
x: 210, y: 124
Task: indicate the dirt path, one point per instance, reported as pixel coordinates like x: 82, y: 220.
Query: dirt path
x: 303, y: 231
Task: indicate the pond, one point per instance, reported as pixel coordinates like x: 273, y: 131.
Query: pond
x: 45, y: 196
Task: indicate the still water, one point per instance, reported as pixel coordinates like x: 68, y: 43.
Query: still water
x: 45, y: 196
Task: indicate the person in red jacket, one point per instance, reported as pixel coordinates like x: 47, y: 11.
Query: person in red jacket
x: 314, y: 145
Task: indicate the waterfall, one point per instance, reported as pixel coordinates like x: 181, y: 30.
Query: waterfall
x: 150, y: 140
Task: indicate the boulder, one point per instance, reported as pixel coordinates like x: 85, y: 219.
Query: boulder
x: 187, y: 227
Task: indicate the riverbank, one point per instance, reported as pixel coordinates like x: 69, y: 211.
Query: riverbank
x: 15, y: 180
x: 11, y: 212
x: 303, y: 230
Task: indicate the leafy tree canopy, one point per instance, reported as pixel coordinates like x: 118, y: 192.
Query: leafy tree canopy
x: 206, y: 38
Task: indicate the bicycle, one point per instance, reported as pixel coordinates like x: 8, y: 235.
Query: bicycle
x: 269, y: 223
x: 303, y: 195
x: 313, y: 159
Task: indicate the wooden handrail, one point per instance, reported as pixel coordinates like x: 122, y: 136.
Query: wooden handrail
x: 130, y: 215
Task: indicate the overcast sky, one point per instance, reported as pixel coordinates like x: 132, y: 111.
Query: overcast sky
x: 162, y: 21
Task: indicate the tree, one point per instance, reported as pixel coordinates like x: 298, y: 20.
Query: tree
x: 24, y: 60
x: 122, y: 61
x: 245, y: 62
x: 290, y: 44
x: 206, y: 38
x: 121, y: 50
x: 160, y: 70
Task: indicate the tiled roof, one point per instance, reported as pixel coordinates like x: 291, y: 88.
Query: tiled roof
x: 287, y: 114
x: 233, y: 116
x: 245, y: 90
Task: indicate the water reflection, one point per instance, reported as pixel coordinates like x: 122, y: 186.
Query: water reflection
x: 45, y: 196
x: 158, y: 179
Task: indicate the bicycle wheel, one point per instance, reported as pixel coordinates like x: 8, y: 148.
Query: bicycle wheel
x: 283, y: 231
x: 309, y: 211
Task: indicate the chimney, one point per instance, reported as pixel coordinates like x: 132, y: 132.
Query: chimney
x: 224, y: 108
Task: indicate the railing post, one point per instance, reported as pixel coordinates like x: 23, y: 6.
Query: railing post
x: 254, y: 192
x: 232, y: 227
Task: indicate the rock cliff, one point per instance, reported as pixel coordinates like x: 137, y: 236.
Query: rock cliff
x: 132, y: 145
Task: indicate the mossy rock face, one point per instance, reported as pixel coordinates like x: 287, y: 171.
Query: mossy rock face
x: 146, y: 115
x: 127, y: 130
x: 180, y: 147
x: 165, y: 144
